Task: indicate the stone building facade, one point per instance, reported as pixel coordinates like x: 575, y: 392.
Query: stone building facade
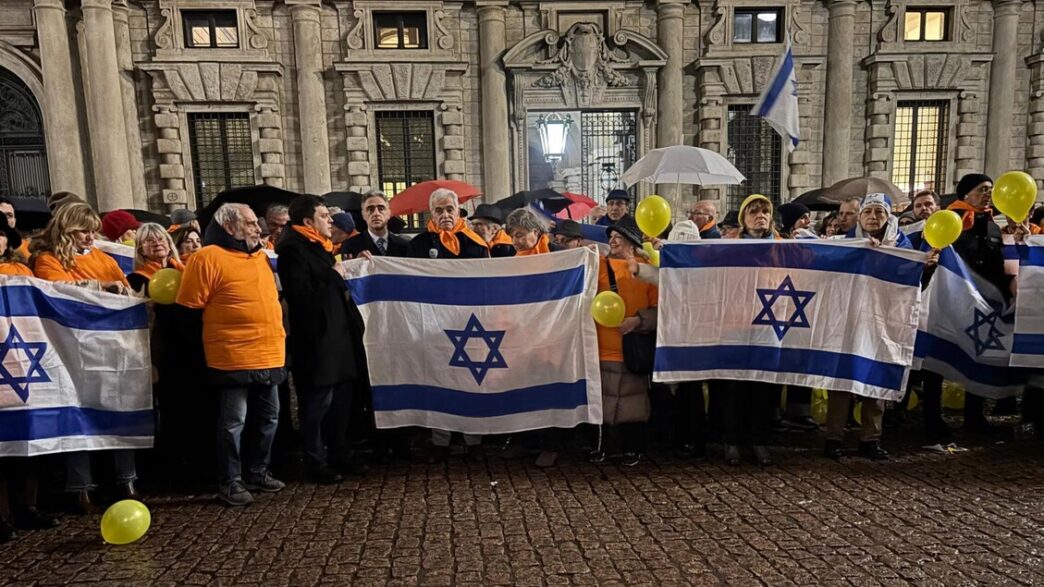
x: 162, y: 103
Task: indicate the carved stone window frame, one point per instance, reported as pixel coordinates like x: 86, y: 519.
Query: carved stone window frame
x: 718, y: 41
x: 951, y: 98
x: 550, y: 12
x: 890, y: 37
x: 361, y: 37
x: 186, y: 144
x: 170, y: 37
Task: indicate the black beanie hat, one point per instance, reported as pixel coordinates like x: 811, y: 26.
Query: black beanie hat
x: 790, y: 212
x: 968, y: 182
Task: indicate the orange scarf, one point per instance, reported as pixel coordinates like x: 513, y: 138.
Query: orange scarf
x: 311, y: 234
x: 448, y: 238
x: 501, y: 238
x: 151, y: 267
x: 967, y: 212
x: 173, y: 228
x: 707, y: 226
x: 542, y: 246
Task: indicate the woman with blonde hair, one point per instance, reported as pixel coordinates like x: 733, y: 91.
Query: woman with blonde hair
x: 66, y: 252
x: 153, y: 250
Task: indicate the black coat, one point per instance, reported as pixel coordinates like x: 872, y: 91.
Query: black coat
x: 395, y: 245
x: 982, y: 250
x: 711, y: 233
x: 422, y: 245
x: 325, y: 326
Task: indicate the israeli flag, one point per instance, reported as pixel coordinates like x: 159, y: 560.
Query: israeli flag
x: 121, y: 253
x: 778, y: 103
x: 1028, y: 343
x: 487, y: 346
x: 75, y: 370
x: 966, y: 331
x: 830, y: 314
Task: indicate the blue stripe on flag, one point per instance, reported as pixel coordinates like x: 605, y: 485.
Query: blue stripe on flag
x: 780, y: 360
x: 1011, y: 252
x: 468, y: 291
x: 25, y: 300
x: 930, y: 346
x: 796, y: 255
x: 1028, y: 344
x: 1033, y: 256
x: 778, y: 84
x: 553, y: 396
x: 43, y: 423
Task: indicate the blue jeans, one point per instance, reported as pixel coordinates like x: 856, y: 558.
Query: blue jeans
x: 78, y: 468
x: 261, y: 404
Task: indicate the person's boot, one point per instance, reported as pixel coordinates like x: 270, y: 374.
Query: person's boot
x: 833, y: 449
x: 732, y: 454
x: 325, y: 475
x: 872, y: 450
x: 128, y: 491
x: 82, y: 504
x: 7, y: 531
x: 762, y: 456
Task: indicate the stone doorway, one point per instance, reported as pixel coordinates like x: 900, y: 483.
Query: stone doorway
x: 23, y: 155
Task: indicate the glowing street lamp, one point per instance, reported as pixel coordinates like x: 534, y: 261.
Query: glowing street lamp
x: 554, y: 132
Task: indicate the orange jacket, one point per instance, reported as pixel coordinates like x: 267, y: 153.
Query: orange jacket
x: 637, y: 295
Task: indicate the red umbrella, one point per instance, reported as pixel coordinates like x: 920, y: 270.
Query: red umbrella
x: 414, y: 199
x: 581, y: 206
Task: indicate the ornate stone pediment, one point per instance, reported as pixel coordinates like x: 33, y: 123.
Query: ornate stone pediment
x: 170, y: 37
x: 214, y: 82
x: 402, y: 82
x: 928, y: 71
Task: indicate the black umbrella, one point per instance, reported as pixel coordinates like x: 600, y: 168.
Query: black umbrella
x: 258, y: 197
x: 817, y: 201
x: 347, y: 201
x: 31, y: 213
x: 144, y: 216
x: 552, y: 201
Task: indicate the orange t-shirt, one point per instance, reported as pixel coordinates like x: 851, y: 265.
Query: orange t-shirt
x: 95, y: 265
x: 637, y: 294
x: 242, y: 320
x: 15, y: 268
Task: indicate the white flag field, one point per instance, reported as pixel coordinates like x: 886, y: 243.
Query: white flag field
x: 484, y: 346
x: 838, y: 315
x: 75, y: 369
x: 966, y: 331
x: 1028, y: 341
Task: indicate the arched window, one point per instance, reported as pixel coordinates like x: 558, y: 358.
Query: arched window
x: 23, y: 158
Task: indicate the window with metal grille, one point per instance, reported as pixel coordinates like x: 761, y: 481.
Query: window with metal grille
x: 222, y: 153
x: 210, y: 29
x: 761, y: 25
x: 919, y: 149
x: 405, y: 151
x: 401, y: 30
x: 608, y: 149
x: 757, y: 151
x: 926, y: 24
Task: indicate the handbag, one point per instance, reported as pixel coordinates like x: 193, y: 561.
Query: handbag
x: 639, y: 348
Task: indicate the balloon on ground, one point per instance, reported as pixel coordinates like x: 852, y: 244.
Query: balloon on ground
x: 125, y: 522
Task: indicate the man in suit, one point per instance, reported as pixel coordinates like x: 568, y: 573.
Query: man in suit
x: 376, y: 238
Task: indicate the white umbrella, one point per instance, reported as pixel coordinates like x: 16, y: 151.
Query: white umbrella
x: 683, y: 164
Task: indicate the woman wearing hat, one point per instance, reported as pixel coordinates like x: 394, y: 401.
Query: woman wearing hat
x: 875, y: 222
x: 625, y: 395
x: 488, y: 221
x: 119, y: 226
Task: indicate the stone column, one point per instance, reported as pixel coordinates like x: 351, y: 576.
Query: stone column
x: 837, y: 120
x: 311, y: 95
x: 132, y: 127
x: 1002, y: 86
x: 105, y: 102
x: 496, y: 152
x: 61, y: 127
x: 670, y: 20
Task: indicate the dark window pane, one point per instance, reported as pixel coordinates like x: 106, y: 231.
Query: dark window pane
x: 405, y: 151
x: 768, y: 23
x: 401, y: 30
x: 757, y: 151
x: 208, y: 29
x: 742, y: 28
x: 222, y: 153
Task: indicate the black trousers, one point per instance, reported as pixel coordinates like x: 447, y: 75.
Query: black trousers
x: 748, y: 409
x: 690, y: 414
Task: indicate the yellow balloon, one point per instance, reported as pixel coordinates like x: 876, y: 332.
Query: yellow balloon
x: 653, y: 216
x: 914, y: 400
x: 857, y: 413
x: 125, y: 522
x: 654, y: 255
x: 942, y: 229
x: 819, y: 406
x: 1014, y: 194
x: 164, y: 285
x: 608, y: 309
x: 952, y: 396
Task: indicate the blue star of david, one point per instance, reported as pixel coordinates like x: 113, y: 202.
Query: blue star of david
x: 797, y: 319
x: 34, y: 352
x: 992, y: 341
x: 460, y: 358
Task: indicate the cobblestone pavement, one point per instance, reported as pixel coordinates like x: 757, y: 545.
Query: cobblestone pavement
x: 969, y: 518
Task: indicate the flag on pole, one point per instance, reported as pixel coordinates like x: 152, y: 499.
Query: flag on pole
x: 1028, y: 345
x: 778, y: 103
x: 75, y: 369
x: 488, y: 346
x: 966, y: 331
x: 832, y: 314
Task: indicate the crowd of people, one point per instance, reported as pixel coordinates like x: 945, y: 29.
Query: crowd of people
x: 243, y: 341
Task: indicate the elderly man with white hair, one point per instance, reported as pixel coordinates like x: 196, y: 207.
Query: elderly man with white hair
x: 448, y: 236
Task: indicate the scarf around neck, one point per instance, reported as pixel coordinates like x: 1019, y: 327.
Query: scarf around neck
x: 543, y: 245
x: 151, y: 267
x: 967, y: 212
x: 448, y: 238
x: 312, y: 235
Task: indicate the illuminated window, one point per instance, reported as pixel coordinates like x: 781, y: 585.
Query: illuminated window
x: 926, y: 24
x: 758, y: 26
x: 756, y: 150
x: 401, y: 30
x: 405, y: 151
x: 210, y: 29
x: 919, y: 149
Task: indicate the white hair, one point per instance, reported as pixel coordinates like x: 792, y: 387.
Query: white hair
x: 527, y: 219
x: 443, y: 193
x: 230, y: 214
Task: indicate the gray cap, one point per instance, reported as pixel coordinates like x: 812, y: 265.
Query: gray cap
x: 182, y: 215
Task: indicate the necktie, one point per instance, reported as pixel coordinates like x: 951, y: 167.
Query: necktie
x: 380, y: 246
